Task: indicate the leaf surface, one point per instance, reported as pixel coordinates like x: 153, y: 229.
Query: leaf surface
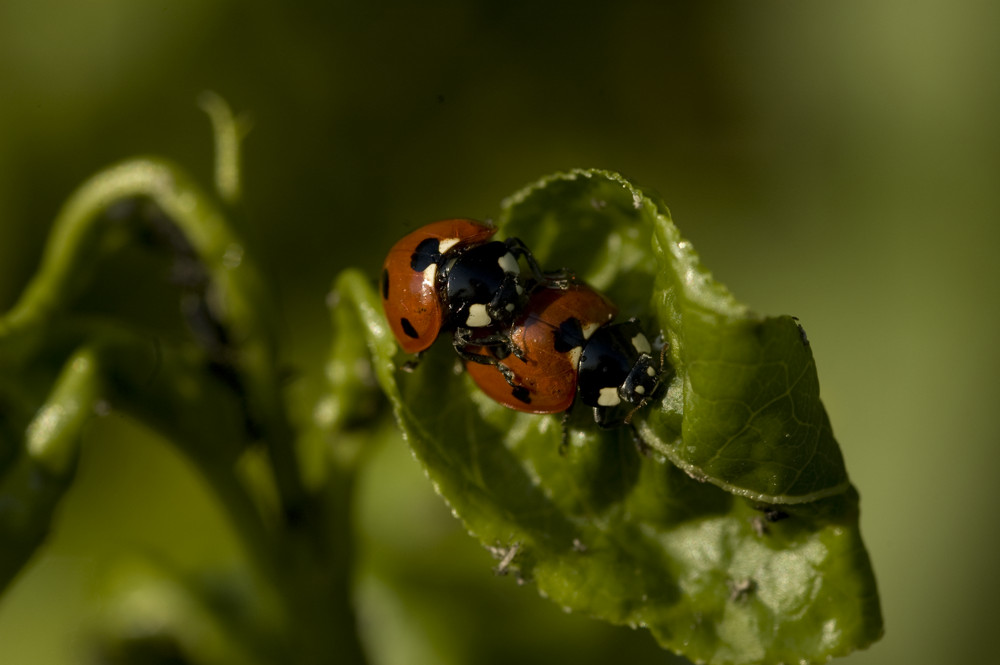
x: 717, y: 570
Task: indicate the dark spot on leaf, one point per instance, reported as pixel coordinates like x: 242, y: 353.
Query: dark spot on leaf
x: 772, y: 513
x: 775, y: 515
x: 802, y: 332
x: 740, y: 590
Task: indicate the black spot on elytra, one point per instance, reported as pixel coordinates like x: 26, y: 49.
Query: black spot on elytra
x: 385, y: 285
x: 521, y: 394
x: 427, y: 253
x: 568, y: 336
x: 408, y: 328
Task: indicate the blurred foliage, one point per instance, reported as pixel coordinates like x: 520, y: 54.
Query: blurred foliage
x: 836, y: 162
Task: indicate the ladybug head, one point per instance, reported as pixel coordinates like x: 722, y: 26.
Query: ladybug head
x: 618, y: 373
x: 483, y: 287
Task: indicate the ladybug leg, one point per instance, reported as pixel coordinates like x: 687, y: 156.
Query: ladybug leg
x: 507, y: 372
x: 628, y: 416
x: 663, y: 357
x: 462, y: 349
x: 518, y: 248
x: 498, y: 353
x: 412, y: 363
x: 602, y: 416
x: 564, y: 432
x: 564, y: 428
x: 505, y: 304
x: 499, y: 345
x: 560, y: 279
x: 508, y: 375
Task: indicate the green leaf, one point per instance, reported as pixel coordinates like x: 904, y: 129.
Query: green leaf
x: 712, y: 569
x: 353, y: 398
x: 742, y: 409
x: 42, y: 462
x: 167, y: 388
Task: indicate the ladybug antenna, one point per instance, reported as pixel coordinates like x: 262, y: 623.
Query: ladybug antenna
x: 628, y: 417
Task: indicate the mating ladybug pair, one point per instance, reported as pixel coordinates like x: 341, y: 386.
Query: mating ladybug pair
x: 535, y: 343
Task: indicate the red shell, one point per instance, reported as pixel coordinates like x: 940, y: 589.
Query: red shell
x: 409, y: 297
x: 546, y: 378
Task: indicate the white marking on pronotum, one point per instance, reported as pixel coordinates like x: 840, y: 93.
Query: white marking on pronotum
x: 430, y: 273
x: 608, y: 397
x: 589, y: 329
x: 574, y: 355
x: 446, y: 244
x: 508, y: 263
x: 478, y: 316
x: 640, y: 390
x: 650, y: 371
x: 641, y: 344
x: 510, y: 307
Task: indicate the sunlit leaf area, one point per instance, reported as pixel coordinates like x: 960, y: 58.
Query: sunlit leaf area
x: 749, y: 163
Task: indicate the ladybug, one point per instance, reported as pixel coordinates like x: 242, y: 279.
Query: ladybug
x: 449, y: 275
x: 570, y: 351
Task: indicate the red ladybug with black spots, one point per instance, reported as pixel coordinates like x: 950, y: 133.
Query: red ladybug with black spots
x: 569, y: 351
x: 449, y: 276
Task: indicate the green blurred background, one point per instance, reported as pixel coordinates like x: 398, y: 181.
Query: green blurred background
x: 839, y: 162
